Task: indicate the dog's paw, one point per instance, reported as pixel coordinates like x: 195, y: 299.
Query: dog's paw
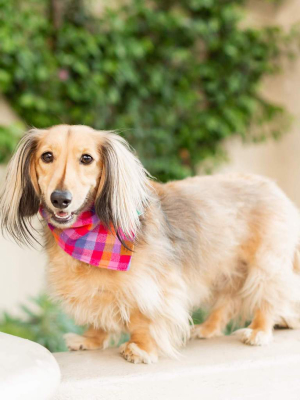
x: 254, y: 337
x: 77, y: 342
x: 132, y: 353
x: 204, y: 332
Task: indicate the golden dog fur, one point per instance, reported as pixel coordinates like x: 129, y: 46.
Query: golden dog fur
x: 227, y: 243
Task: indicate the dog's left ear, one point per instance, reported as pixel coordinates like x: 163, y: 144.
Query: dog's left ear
x: 123, y: 191
x: 19, y: 199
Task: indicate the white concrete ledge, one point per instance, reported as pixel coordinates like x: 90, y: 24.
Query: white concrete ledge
x: 220, y: 368
x: 28, y: 371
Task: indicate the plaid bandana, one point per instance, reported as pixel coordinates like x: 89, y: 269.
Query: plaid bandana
x: 89, y: 241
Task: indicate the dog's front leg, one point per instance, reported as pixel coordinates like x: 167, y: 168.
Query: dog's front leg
x: 91, y: 340
x: 141, y: 347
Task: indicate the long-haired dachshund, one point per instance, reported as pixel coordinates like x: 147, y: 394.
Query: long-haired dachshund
x: 129, y: 254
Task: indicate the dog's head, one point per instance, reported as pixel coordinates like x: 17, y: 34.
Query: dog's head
x: 66, y: 169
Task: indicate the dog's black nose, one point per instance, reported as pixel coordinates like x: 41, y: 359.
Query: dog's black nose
x: 61, y: 199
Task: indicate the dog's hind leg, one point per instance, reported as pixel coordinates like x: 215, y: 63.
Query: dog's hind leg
x: 91, y: 340
x: 271, y: 286
x: 266, y: 295
x: 217, y: 320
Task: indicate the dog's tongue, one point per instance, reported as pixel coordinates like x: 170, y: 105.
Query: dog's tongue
x: 62, y: 214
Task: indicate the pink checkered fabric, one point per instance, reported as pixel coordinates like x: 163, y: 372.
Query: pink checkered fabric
x: 89, y: 241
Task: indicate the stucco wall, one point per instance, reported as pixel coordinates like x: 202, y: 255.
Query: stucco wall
x: 277, y: 159
x: 22, y: 271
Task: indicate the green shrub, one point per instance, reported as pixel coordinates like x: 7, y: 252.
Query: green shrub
x: 9, y: 137
x: 43, y: 322
x: 174, y: 77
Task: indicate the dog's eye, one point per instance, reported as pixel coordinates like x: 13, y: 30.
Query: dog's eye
x: 86, y: 159
x: 47, y: 157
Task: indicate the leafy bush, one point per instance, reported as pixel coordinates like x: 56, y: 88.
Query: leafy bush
x: 174, y: 77
x: 9, y: 137
x: 43, y: 322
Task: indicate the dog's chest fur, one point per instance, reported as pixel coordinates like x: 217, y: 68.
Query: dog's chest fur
x: 91, y: 295
x: 105, y: 298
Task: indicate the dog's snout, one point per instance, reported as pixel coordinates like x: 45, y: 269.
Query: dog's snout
x: 61, y: 199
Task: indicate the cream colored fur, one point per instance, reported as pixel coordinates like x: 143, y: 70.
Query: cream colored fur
x: 228, y: 243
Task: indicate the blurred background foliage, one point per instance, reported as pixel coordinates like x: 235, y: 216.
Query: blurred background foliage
x: 9, y: 137
x: 43, y: 322
x: 174, y: 77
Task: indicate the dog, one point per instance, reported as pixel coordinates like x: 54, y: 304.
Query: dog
x: 227, y: 243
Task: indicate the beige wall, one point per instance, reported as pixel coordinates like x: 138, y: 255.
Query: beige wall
x: 22, y: 275
x: 7, y: 115
x: 277, y: 159
x: 22, y: 271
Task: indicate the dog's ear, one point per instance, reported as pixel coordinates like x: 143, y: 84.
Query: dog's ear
x: 123, y: 191
x: 19, y: 199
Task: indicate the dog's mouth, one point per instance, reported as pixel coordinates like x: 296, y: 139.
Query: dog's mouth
x: 62, y: 217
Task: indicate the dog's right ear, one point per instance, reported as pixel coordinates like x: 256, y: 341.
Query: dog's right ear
x: 19, y: 199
